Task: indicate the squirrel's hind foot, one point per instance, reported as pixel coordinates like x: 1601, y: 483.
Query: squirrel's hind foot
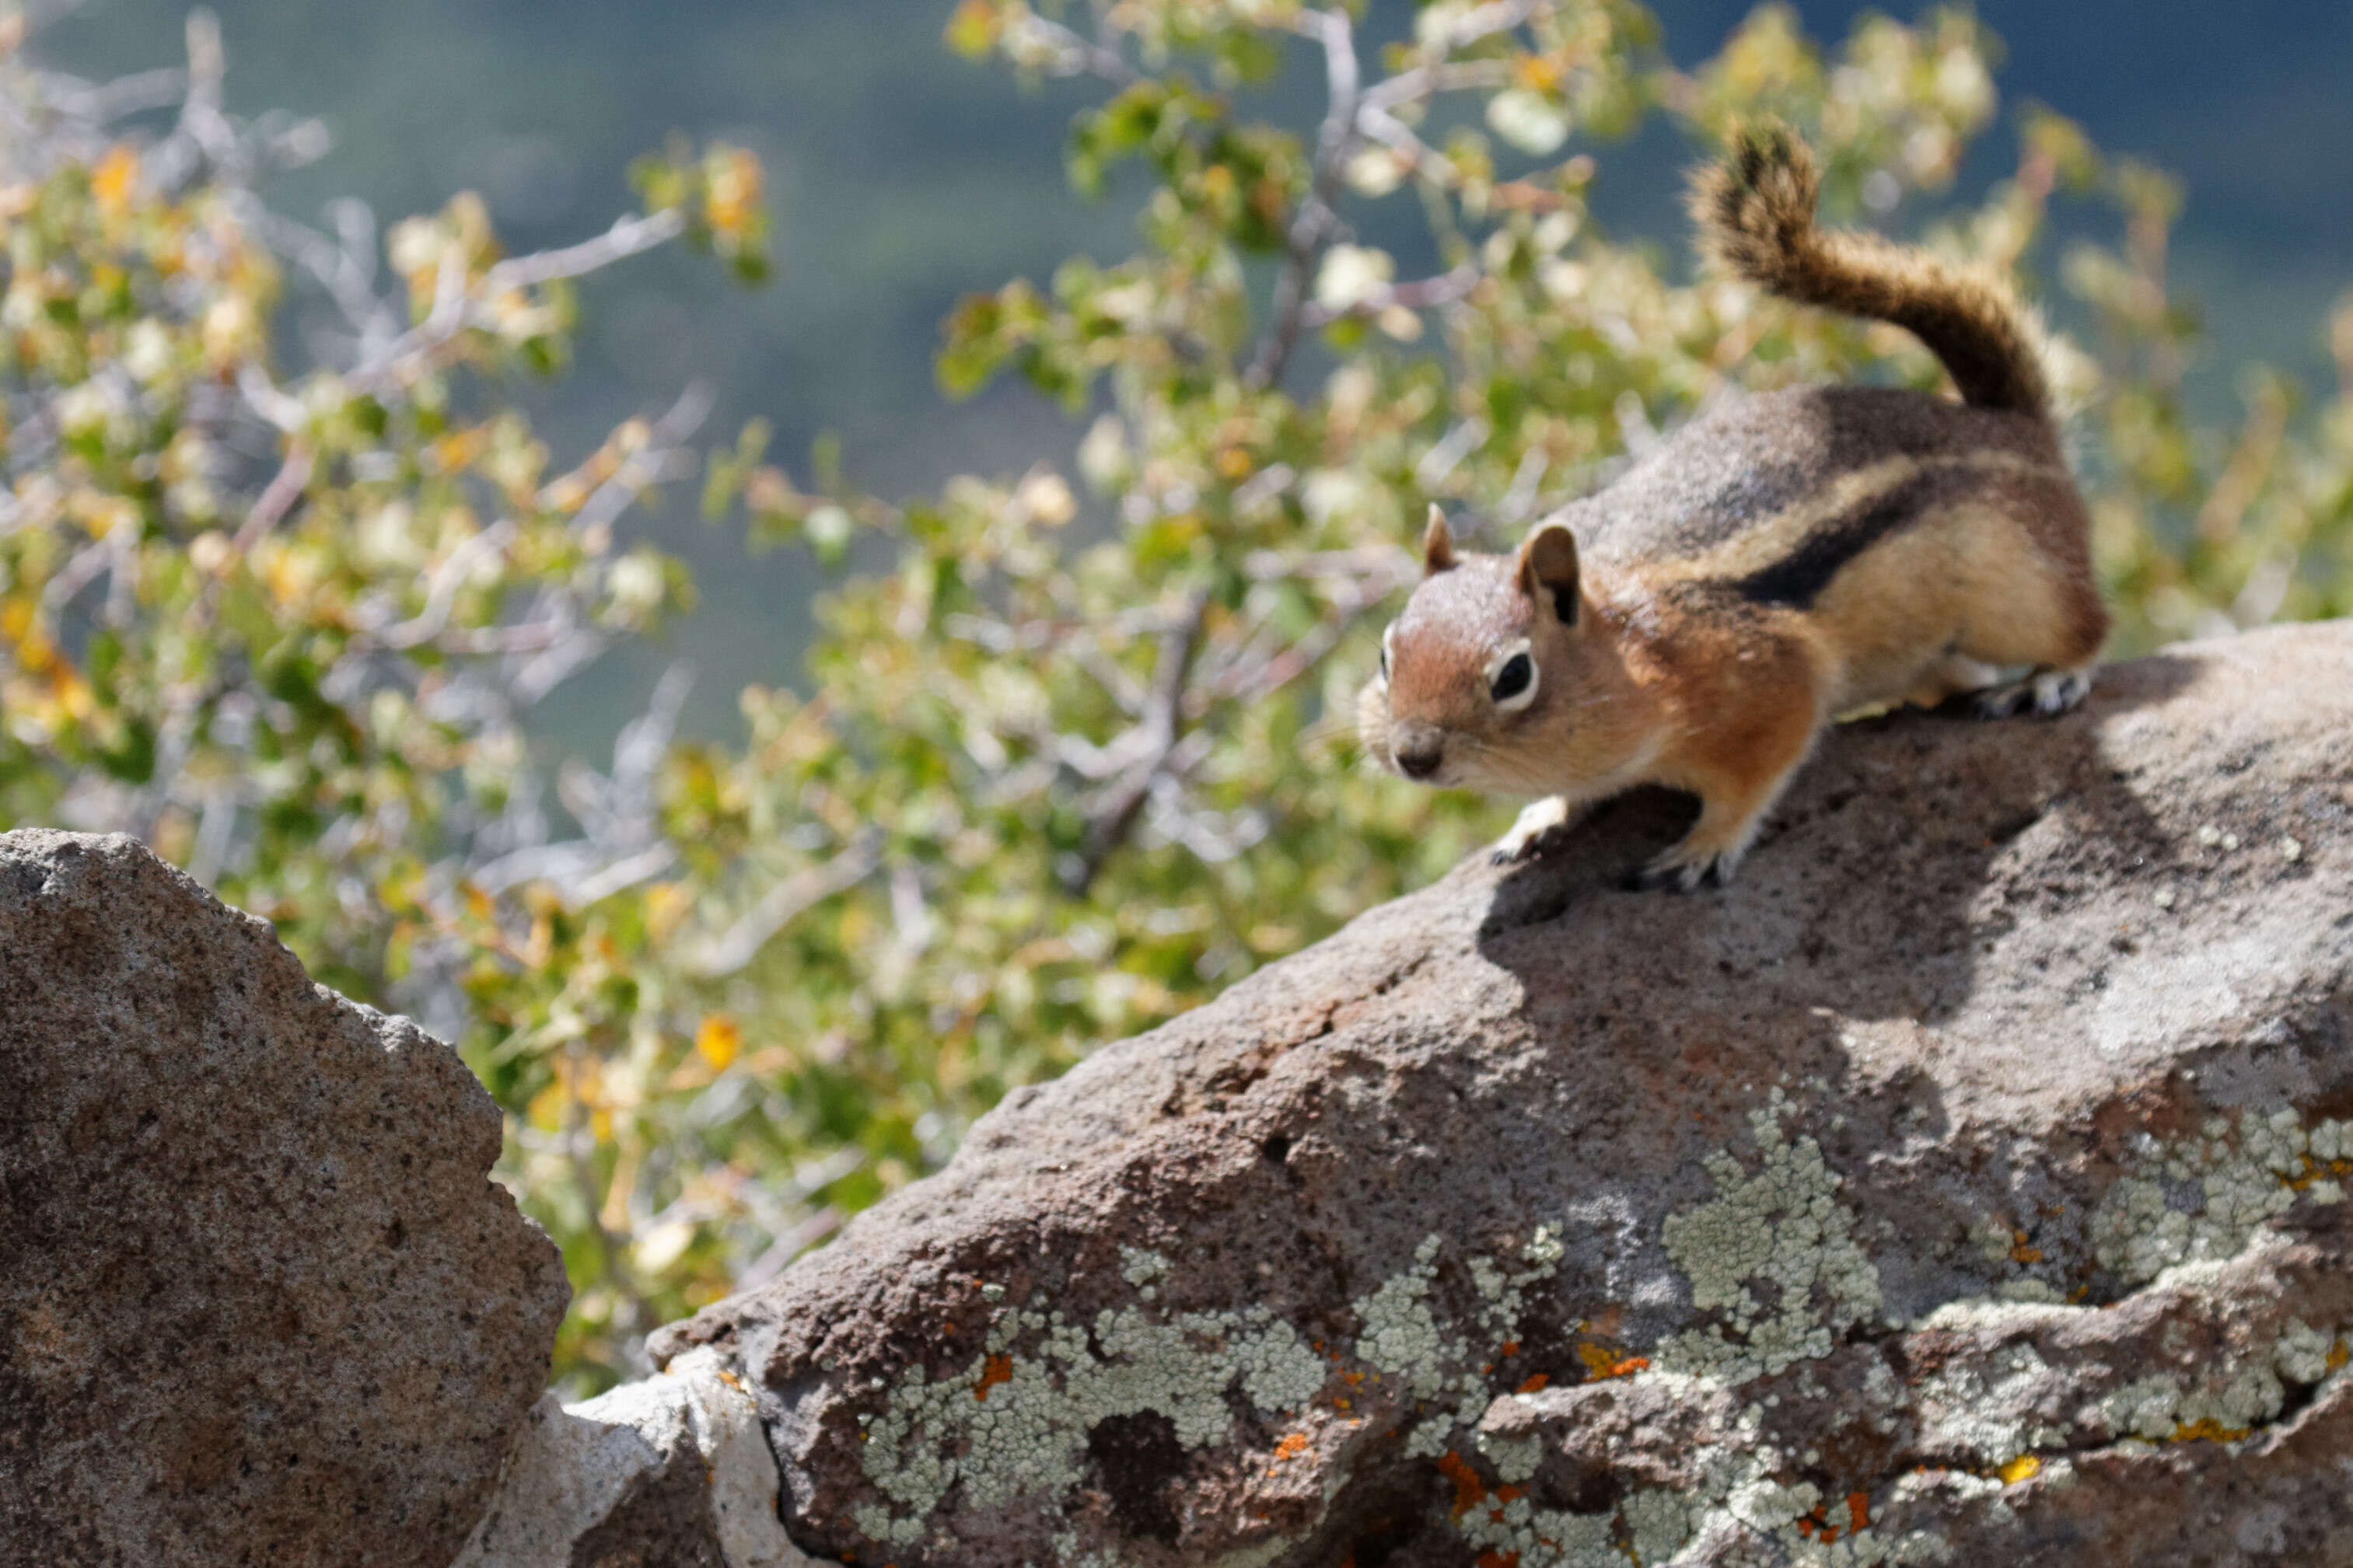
x: 2046, y: 692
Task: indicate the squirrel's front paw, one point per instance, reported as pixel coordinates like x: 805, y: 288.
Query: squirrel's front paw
x: 1525, y: 841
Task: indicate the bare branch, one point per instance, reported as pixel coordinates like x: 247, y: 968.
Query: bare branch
x: 1447, y: 456
x: 624, y: 873
x: 1423, y: 294
x: 785, y: 902
x: 104, y: 102
x: 284, y: 488
x: 788, y: 1246
x: 656, y: 460
x: 627, y: 237
x: 271, y: 406
x: 456, y: 308
x: 1314, y: 228
x: 1160, y: 731
x: 1046, y: 44
x: 442, y: 591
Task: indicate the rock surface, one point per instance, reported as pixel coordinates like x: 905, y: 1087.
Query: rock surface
x: 1962, y: 1184
x: 671, y: 1472
x: 259, y: 1301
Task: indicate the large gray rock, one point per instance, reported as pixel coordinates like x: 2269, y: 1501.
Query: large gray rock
x: 1963, y: 1184
x: 259, y: 1301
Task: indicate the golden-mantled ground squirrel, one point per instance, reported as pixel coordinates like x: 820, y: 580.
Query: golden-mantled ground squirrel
x: 1786, y: 558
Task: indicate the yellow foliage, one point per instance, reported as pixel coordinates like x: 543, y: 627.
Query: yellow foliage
x: 717, y: 1040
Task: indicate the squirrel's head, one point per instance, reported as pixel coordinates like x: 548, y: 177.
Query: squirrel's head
x: 1489, y: 677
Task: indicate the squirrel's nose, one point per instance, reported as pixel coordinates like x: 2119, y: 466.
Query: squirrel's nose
x: 1420, y: 760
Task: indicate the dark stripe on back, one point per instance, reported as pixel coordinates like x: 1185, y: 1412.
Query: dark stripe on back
x: 1799, y: 578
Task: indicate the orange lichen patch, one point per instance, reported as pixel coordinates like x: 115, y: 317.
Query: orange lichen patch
x: 997, y: 1369
x: 2337, y: 1356
x: 1292, y: 1445
x: 1533, y: 1384
x: 2020, y: 1252
x: 1499, y: 1559
x: 1806, y: 1527
x: 1858, y: 1510
x: 1469, y: 1491
x: 1352, y: 1378
x: 1342, y: 1404
x: 2024, y: 1468
x: 1508, y: 1348
x: 2209, y: 1431
x: 1606, y: 1361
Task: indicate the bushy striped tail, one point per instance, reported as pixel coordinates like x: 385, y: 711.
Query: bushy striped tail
x: 1756, y: 216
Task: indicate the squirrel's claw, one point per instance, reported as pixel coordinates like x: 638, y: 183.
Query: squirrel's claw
x: 1526, y: 841
x: 2045, y: 692
x: 1673, y: 872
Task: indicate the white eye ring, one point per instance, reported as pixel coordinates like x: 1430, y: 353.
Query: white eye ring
x: 1515, y: 700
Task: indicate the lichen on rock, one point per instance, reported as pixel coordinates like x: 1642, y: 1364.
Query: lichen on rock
x: 1783, y: 1227
x: 1017, y: 1421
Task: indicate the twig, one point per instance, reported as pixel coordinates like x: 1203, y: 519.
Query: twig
x: 1313, y: 229
x: 275, y: 499
x: 1072, y: 51
x: 1160, y: 731
x: 789, y: 1246
x: 1422, y: 294
x: 786, y: 902
x: 455, y: 308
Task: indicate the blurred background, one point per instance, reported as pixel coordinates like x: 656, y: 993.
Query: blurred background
x: 902, y: 177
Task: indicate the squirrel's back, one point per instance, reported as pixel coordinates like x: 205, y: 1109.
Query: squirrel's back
x: 1754, y: 210
x: 1767, y: 489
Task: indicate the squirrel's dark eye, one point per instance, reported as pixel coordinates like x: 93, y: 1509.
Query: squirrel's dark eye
x: 1385, y: 661
x: 1514, y: 678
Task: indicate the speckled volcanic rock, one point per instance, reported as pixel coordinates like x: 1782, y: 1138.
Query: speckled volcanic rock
x: 1966, y: 1184
x: 260, y: 1300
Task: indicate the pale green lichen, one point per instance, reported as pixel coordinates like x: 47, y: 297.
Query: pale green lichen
x: 1658, y: 1524
x: 1514, y: 1458
x: 2235, y: 1400
x: 1012, y: 1424
x: 1402, y: 1338
x: 1542, y: 1538
x: 1983, y: 1410
x: 2203, y: 1198
x: 2302, y: 1352
x: 1784, y: 1227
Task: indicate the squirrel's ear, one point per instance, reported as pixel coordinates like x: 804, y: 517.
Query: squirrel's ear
x: 1547, y: 569
x: 1437, y: 544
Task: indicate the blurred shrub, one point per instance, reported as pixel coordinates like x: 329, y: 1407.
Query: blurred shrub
x: 1077, y: 758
